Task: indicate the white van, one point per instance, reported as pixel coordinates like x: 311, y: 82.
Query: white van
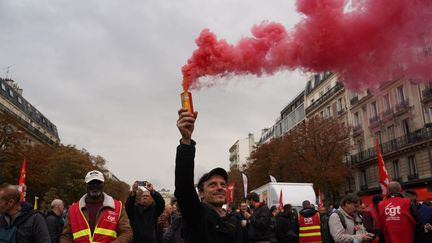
x: 292, y: 193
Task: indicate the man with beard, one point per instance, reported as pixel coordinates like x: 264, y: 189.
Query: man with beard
x: 96, y: 217
x: 259, y: 221
x: 205, y: 220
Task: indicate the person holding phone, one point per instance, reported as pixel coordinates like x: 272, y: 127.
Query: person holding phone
x: 143, y: 206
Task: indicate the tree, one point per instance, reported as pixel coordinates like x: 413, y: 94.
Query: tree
x: 312, y: 152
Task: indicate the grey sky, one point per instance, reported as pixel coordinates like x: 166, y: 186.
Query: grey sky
x: 107, y: 73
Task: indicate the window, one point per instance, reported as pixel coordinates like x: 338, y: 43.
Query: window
x: 340, y: 104
x: 3, y: 86
x: 396, y: 171
x: 400, y: 94
x: 11, y: 94
x: 356, y: 119
x: 363, y: 179
x: 374, y: 111
x: 387, y: 103
x: 429, y: 113
x: 412, y: 165
x: 391, y: 132
x: 406, y: 126
x: 329, y: 112
x: 19, y: 100
x: 322, y: 114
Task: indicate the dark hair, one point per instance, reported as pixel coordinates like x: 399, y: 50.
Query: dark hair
x: 350, y: 198
x: 306, y: 204
x: 273, y: 208
x: 253, y: 197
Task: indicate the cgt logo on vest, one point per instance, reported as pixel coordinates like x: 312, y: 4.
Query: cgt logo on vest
x: 308, y: 220
x: 392, y: 212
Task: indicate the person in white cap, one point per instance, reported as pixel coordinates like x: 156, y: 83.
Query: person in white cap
x: 96, y: 217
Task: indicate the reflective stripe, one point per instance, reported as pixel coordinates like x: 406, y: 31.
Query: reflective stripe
x: 106, y: 232
x: 310, y: 228
x: 81, y: 233
x: 310, y: 234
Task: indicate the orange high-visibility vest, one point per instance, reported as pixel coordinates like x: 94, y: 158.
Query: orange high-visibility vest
x: 105, y: 230
x: 310, y: 229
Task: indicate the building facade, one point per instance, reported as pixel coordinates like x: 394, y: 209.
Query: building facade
x: 39, y: 130
x: 240, y: 152
x: 398, y: 114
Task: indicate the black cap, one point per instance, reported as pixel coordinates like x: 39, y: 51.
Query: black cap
x: 216, y: 171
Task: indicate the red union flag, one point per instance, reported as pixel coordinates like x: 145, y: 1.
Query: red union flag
x: 230, y: 193
x: 320, y: 199
x: 384, y: 178
x: 21, y: 184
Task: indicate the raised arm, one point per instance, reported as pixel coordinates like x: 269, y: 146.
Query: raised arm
x: 187, y: 198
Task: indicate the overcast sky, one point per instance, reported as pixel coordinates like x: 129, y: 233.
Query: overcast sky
x: 108, y: 74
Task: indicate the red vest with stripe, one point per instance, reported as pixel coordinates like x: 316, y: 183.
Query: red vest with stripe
x: 396, y: 222
x: 105, y: 229
x: 310, y: 229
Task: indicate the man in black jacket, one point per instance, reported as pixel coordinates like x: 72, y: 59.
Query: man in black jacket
x: 259, y: 221
x: 31, y: 226
x: 204, y: 221
x: 143, y: 207
x: 54, y: 220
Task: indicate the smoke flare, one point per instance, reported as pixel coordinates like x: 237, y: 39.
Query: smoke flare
x: 374, y: 42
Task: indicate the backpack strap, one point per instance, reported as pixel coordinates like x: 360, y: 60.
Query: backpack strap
x: 342, y: 218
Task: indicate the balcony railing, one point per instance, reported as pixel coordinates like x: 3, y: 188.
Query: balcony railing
x: 363, y: 187
x: 413, y: 177
x: 421, y: 135
x: 387, y: 114
x: 402, y: 106
x: 357, y: 130
x: 341, y: 111
x: 324, y: 97
x: 374, y: 121
x: 354, y: 100
x: 398, y: 179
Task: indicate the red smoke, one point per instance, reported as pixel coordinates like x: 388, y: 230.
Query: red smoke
x: 377, y: 41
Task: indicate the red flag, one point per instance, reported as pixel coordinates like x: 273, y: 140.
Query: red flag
x: 281, y: 200
x: 21, y: 184
x: 230, y: 193
x: 320, y: 199
x: 384, y: 178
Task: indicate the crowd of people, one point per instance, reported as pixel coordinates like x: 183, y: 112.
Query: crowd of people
x: 197, y: 214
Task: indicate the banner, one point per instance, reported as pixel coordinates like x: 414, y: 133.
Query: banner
x: 281, y: 200
x: 245, y: 185
x: 272, y: 179
x: 320, y: 199
x: 21, y: 185
x: 384, y: 178
x: 230, y: 193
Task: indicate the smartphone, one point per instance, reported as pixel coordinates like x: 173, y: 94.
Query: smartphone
x: 142, y: 183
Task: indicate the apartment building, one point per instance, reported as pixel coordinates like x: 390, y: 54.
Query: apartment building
x: 38, y: 128
x: 240, y: 152
x: 398, y: 114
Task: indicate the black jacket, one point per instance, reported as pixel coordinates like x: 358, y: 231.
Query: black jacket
x: 31, y: 229
x: 286, y: 228
x: 55, y: 226
x: 144, y: 220
x: 201, y: 223
x: 259, y: 224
